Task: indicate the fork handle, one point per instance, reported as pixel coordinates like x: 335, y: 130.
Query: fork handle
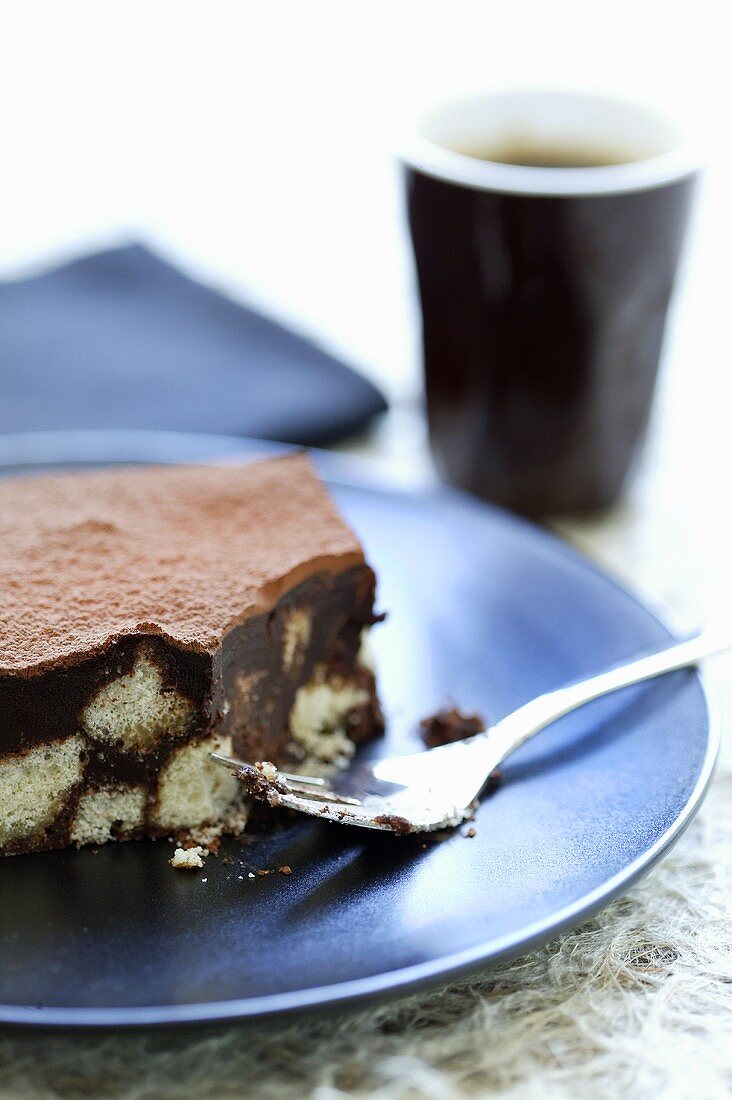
x: 533, y: 717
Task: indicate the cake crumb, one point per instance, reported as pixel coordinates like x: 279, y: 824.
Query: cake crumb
x: 470, y: 833
x: 251, y: 874
x: 188, y: 859
x: 449, y: 725
x: 262, y: 872
x: 286, y: 870
x: 267, y: 769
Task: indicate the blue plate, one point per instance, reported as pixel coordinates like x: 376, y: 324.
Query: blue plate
x: 483, y: 609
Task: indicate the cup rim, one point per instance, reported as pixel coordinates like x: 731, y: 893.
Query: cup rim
x: 433, y: 159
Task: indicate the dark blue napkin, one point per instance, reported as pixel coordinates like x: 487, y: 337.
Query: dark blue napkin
x: 123, y: 340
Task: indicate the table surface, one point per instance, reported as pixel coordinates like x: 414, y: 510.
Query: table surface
x: 285, y: 116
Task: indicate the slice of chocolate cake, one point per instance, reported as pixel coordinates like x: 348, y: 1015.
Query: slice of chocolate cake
x: 150, y: 615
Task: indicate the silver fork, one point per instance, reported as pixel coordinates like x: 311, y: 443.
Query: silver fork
x: 437, y: 789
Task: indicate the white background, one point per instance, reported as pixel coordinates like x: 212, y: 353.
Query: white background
x: 253, y: 142
x: 254, y: 138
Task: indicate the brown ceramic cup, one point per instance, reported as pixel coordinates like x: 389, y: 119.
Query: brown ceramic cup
x: 547, y: 230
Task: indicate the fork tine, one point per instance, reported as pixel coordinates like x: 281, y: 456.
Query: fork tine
x: 322, y: 796
x: 302, y: 780
x: 227, y: 761
x: 313, y: 787
x: 342, y: 814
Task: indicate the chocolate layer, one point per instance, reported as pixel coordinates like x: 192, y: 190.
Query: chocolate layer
x: 49, y: 707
